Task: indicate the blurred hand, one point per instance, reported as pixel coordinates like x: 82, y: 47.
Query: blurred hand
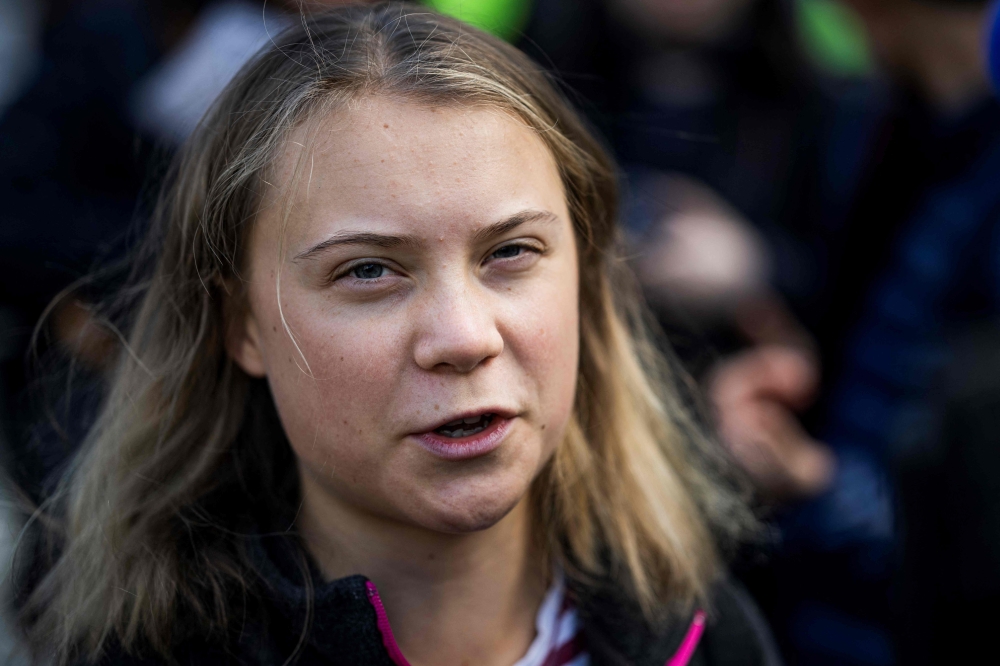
x: 703, y: 257
x: 756, y: 396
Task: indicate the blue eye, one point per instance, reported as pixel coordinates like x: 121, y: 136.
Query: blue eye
x: 368, y: 271
x: 508, y: 251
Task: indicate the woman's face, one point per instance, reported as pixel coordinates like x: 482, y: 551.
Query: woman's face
x: 423, y: 357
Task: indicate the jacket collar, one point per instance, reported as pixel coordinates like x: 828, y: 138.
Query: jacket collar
x: 337, y: 626
x: 340, y: 625
x: 616, y: 632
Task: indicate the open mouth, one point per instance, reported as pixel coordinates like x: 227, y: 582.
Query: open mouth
x: 467, y: 437
x: 466, y: 427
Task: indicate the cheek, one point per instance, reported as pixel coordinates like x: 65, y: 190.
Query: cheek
x: 545, y: 338
x: 564, y: 354
x: 330, y: 384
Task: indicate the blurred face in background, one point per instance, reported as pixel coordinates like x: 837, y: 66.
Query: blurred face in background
x: 901, y: 31
x: 688, y: 22
x: 886, y: 23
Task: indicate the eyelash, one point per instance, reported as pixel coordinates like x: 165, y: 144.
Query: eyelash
x: 348, y: 270
x: 525, y: 247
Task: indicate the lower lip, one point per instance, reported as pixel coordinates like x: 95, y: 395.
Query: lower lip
x: 463, y: 448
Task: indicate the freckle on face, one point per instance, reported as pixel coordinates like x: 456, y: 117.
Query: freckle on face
x: 351, y: 416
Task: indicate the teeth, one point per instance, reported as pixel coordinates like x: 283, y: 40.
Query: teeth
x: 464, y: 433
x: 467, y: 420
x: 460, y: 427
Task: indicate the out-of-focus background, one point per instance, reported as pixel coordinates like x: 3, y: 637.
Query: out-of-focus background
x: 811, y: 199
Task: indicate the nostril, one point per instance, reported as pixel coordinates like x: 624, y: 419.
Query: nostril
x: 456, y: 334
x: 457, y: 355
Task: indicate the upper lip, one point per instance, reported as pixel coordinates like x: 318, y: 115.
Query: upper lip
x: 502, y: 412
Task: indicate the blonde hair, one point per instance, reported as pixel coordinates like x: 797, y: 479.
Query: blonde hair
x: 150, y: 504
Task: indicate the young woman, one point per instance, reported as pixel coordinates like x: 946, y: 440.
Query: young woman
x: 385, y: 392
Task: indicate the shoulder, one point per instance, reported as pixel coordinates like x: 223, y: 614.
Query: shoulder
x: 736, y: 631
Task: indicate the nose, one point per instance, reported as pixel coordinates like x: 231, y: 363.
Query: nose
x: 457, y: 330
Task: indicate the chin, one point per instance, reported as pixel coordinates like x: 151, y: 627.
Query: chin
x: 471, y: 512
x: 474, y: 495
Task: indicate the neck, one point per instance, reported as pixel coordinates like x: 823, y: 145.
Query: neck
x: 451, y: 598
x: 945, y: 57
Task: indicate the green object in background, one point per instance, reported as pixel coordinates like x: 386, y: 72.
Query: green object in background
x: 834, y: 37
x: 504, y: 18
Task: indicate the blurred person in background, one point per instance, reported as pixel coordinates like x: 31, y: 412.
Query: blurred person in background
x: 837, y: 235
x: 949, y: 488
x: 915, y: 263
x: 945, y: 461
x: 118, y: 87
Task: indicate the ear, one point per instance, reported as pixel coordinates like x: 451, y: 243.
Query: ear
x: 243, y: 343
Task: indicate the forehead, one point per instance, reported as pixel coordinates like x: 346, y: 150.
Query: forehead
x: 381, y: 160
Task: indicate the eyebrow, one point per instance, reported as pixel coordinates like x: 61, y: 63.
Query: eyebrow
x: 355, y: 238
x: 513, y: 222
x: 390, y: 241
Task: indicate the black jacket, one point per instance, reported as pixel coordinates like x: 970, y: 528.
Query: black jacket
x: 342, y: 628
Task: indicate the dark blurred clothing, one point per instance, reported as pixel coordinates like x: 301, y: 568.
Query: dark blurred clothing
x: 71, y: 172
x: 949, y: 487
x: 918, y: 260
x: 71, y: 166
x: 918, y: 255
x: 121, y: 85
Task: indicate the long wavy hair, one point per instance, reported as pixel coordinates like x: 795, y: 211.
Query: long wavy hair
x: 185, y: 444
